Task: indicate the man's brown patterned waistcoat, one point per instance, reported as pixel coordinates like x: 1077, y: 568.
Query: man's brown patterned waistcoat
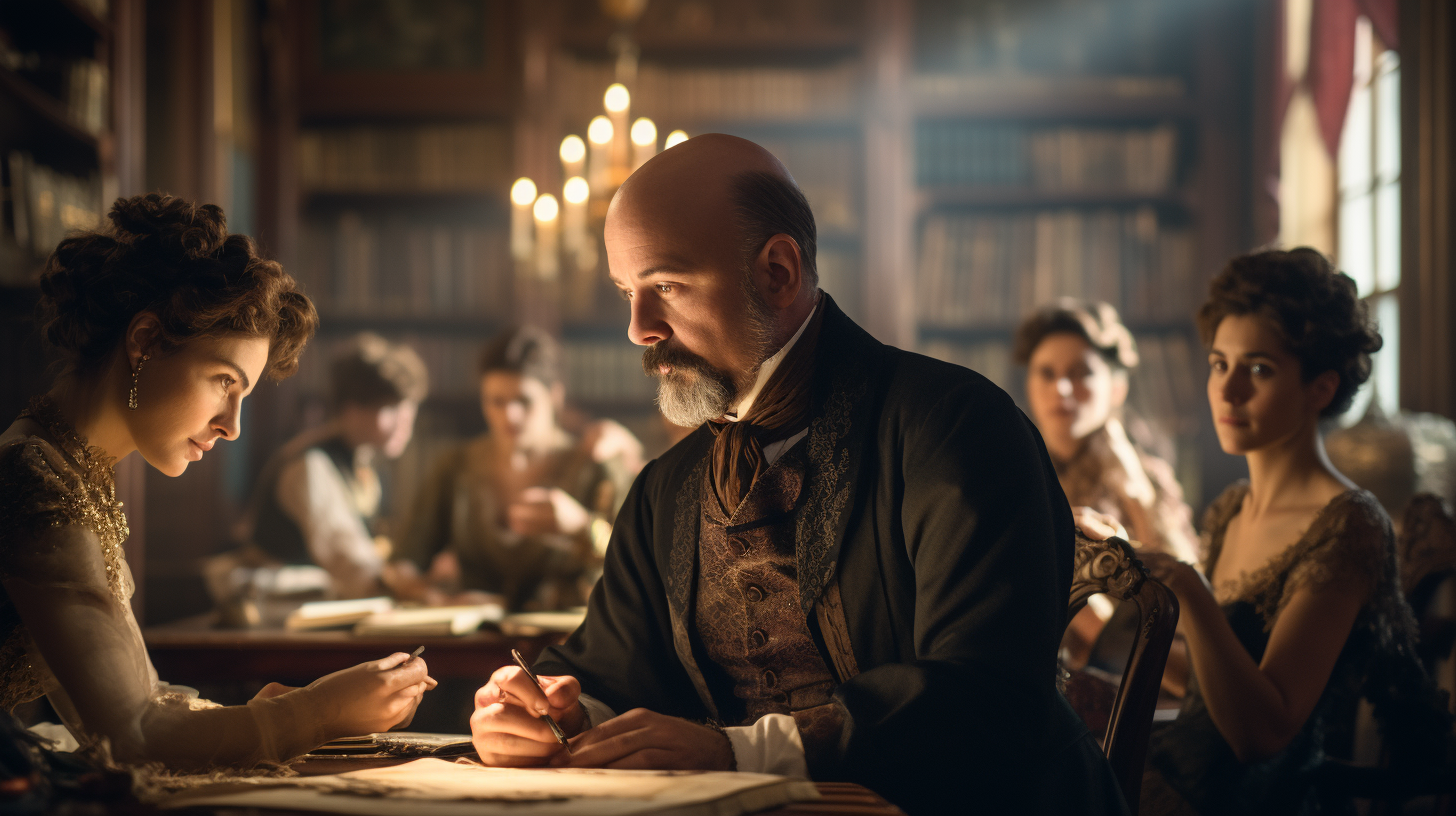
x: 748, y: 613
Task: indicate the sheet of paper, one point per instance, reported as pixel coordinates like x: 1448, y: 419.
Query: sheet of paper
x: 436, y: 787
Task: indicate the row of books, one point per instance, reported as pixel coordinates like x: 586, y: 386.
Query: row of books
x: 818, y: 165
x: 1166, y: 387
x: 992, y: 269
x: 706, y: 18
x: 606, y: 372
x: 680, y: 97
x: 1056, y: 159
x: 395, y: 266
x: 386, y: 158
x: 44, y: 203
x: 81, y: 85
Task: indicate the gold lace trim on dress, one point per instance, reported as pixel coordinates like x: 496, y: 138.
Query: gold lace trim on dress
x: 95, y: 506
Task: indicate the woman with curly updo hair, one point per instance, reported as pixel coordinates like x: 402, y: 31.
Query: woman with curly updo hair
x: 165, y: 322
x: 1297, y: 611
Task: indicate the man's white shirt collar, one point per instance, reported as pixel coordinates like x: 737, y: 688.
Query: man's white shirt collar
x: 767, y: 369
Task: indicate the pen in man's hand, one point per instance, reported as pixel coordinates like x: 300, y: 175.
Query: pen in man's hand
x: 416, y: 653
x: 555, y: 729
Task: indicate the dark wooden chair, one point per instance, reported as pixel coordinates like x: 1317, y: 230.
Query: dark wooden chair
x: 1111, y: 567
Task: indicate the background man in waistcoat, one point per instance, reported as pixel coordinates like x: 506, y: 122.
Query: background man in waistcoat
x: 857, y: 568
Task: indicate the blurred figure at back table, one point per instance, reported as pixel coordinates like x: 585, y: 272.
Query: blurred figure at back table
x: 523, y: 511
x: 1078, y: 358
x: 318, y: 498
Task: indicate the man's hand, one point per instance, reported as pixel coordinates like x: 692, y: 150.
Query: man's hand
x: 1097, y: 526
x: 507, y: 728
x: 645, y: 739
x: 545, y: 510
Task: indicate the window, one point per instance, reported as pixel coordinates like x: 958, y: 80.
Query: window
x: 1369, y: 208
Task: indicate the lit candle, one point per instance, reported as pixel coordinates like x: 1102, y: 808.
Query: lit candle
x: 523, y: 195
x: 574, y: 220
x: 599, y: 166
x: 546, y: 210
x: 644, y: 141
x: 618, y: 103
x: 573, y: 156
x: 674, y: 139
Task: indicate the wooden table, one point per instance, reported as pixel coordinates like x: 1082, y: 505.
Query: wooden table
x: 191, y: 652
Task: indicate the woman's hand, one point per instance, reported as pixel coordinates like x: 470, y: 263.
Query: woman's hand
x: 371, y: 697
x: 507, y: 728
x: 1181, y: 577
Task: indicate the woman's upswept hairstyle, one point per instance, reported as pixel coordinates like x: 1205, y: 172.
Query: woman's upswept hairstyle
x: 1315, y: 308
x: 175, y: 259
x: 1097, y: 323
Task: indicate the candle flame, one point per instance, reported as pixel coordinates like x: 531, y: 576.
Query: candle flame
x: 644, y: 133
x: 576, y: 191
x: 546, y: 208
x: 573, y: 149
x: 600, y: 130
x: 616, y: 99
x: 675, y: 138
x: 523, y: 192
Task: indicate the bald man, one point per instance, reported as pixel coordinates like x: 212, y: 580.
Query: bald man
x: 856, y: 568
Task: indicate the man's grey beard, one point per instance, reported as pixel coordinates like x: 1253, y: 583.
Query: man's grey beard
x: 695, y: 391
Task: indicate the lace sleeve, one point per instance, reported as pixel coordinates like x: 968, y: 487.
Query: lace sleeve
x: 1349, y: 544
x: 95, y: 670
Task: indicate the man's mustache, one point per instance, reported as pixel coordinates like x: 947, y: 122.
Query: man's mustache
x: 674, y: 357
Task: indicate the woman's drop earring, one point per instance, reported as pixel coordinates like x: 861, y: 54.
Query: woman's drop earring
x: 131, y: 397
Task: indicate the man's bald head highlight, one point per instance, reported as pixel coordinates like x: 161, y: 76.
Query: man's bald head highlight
x: 713, y: 178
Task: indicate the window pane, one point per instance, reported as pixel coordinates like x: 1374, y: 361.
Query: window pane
x: 1387, y: 236
x: 1357, y: 251
x: 1355, y: 144
x: 1387, y: 361
x: 1387, y: 118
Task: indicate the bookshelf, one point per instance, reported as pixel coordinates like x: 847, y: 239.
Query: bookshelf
x: 1080, y: 150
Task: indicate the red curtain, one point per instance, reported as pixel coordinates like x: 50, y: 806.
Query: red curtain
x: 1331, y: 71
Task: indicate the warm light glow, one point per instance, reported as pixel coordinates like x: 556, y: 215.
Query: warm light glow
x: 675, y: 138
x: 644, y: 133
x: 617, y: 99
x: 547, y: 208
x: 523, y: 192
x: 576, y: 191
x: 600, y: 130
x: 573, y: 149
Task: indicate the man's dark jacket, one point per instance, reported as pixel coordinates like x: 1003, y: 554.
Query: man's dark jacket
x: 931, y: 502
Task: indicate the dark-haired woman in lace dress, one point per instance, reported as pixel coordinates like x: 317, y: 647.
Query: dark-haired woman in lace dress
x: 166, y: 322
x: 1297, y: 613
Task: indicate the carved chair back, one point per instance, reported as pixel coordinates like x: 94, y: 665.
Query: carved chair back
x: 1111, y: 567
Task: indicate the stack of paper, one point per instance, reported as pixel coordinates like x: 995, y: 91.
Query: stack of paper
x: 435, y: 787
x: 527, y: 624
x: 429, y: 621
x: 328, y: 614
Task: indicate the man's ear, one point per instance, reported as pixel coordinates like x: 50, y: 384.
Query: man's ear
x: 779, y: 270
x: 141, y: 338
